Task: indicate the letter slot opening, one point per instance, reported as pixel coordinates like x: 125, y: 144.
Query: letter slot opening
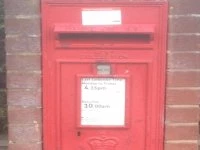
x: 99, y: 37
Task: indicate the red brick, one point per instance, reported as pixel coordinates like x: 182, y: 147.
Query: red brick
x: 181, y: 133
x: 183, y: 79
x: 181, y: 146
x: 183, y: 61
x: 25, y: 146
x: 24, y: 62
x: 24, y: 133
x: 177, y: 43
x: 184, y: 25
x: 23, y: 26
x: 181, y: 7
x: 183, y: 97
x: 22, y: 7
x: 21, y: 115
x: 182, y: 115
x: 21, y: 97
x: 17, y: 44
x: 24, y: 80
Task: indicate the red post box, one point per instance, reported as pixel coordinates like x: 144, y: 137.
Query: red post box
x: 103, y: 74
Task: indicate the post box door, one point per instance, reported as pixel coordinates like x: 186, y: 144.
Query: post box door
x: 103, y: 83
x: 99, y: 112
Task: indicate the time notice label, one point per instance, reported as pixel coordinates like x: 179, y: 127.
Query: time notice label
x: 103, y: 101
x: 101, y: 17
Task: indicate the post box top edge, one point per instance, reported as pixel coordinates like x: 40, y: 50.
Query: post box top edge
x: 105, y: 1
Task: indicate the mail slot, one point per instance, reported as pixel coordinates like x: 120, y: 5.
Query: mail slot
x: 103, y: 74
x: 126, y: 36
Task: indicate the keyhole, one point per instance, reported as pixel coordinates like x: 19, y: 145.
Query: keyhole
x: 78, y: 133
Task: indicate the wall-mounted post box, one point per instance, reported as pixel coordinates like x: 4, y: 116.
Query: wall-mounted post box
x: 103, y: 74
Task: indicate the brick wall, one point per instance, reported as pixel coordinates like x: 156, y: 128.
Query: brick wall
x: 183, y: 84
x: 23, y: 58
x: 3, y: 114
x: 23, y: 54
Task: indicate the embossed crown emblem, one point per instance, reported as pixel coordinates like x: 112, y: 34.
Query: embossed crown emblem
x: 103, y: 143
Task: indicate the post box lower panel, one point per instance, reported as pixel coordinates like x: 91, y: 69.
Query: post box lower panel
x: 102, y: 112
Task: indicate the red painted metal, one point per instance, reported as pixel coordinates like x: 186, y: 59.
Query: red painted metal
x: 134, y: 50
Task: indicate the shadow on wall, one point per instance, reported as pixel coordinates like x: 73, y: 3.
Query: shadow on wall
x: 3, y: 105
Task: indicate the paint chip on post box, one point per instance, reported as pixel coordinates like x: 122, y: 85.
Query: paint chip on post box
x: 102, y: 101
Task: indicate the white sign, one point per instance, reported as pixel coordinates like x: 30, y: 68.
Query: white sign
x: 103, y: 101
x: 101, y: 17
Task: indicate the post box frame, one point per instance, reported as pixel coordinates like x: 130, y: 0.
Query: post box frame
x: 52, y: 67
